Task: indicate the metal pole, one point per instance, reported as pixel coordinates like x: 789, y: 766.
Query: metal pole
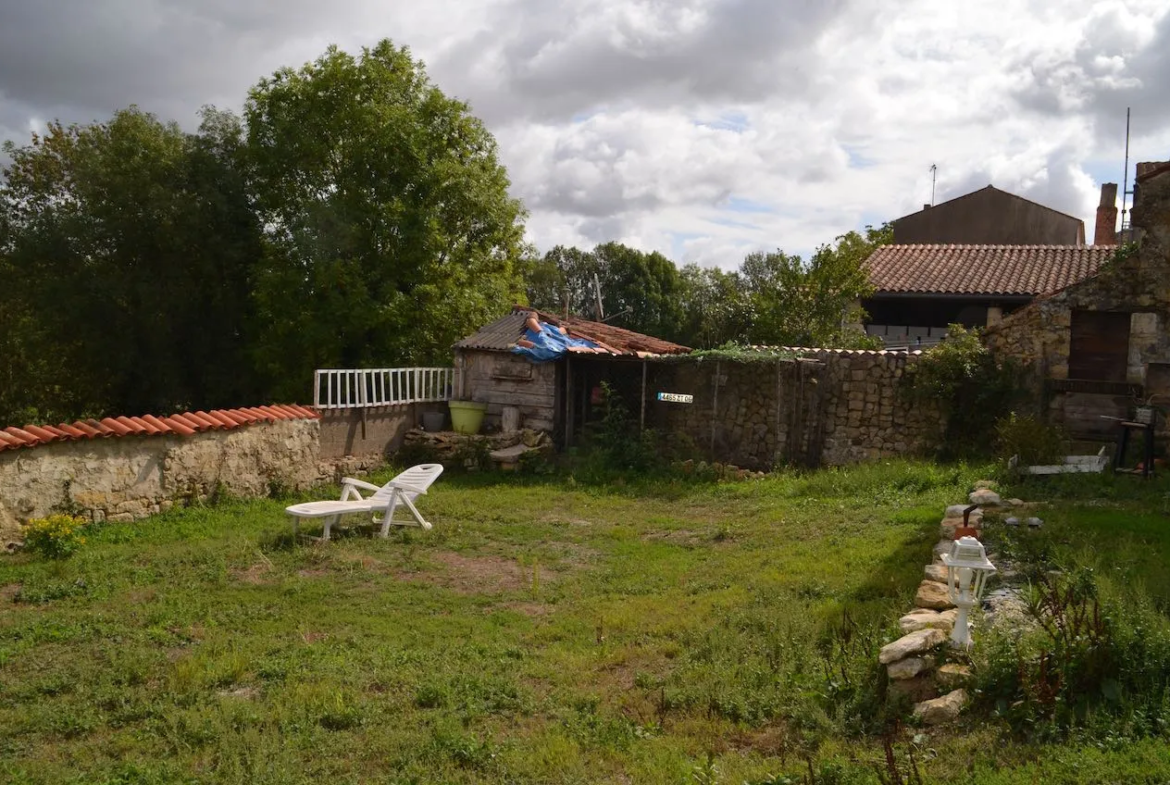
x: 1124, y: 183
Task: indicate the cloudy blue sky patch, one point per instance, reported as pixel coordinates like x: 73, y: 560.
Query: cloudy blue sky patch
x: 701, y: 128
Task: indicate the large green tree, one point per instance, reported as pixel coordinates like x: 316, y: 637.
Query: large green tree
x: 639, y: 291
x: 127, y: 252
x: 390, y: 229
x: 815, y: 302
x: 716, y: 307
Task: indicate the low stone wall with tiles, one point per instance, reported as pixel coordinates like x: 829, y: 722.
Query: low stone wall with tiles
x: 827, y: 407
x: 129, y: 477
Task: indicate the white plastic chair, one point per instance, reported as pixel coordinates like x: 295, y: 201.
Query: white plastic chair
x: 403, y: 489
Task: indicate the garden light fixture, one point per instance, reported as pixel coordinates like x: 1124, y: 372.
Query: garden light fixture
x: 967, y: 570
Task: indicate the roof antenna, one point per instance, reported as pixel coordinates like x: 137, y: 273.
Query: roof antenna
x: 933, y: 178
x: 1125, y: 192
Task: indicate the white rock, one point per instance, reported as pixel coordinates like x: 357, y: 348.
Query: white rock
x: 956, y: 511
x: 932, y: 595
x: 936, y: 573
x: 923, y: 619
x: 910, y: 644
x: 909, y: 667
x: 985, y: 497
x: 941, y: 710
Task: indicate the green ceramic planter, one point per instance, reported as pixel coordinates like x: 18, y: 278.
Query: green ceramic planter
x: 466, y: 416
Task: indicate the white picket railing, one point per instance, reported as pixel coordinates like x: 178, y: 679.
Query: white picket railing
x: 359, y: 387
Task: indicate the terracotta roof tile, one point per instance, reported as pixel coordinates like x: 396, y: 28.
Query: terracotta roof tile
x: 184, y: 424
x: 72, y: 431
x: 1029, y: 270
x: 502, y: 334
x: 40, y: 433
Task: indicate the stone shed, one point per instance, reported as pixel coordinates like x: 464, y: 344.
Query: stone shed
x: 558, y: 396
x: 1096, y: 348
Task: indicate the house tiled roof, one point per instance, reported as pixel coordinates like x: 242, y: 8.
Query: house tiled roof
x: 1028, y: 270
x: 184, y: 424
x: 502, y: 334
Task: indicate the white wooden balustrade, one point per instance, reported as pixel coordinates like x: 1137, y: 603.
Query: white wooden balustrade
x: 361, y: 387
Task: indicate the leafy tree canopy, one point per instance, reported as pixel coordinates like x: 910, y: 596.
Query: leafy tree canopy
x: 390, y: 229
x: 127, y: 251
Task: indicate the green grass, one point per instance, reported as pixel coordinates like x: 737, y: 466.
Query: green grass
x: 544, y: 631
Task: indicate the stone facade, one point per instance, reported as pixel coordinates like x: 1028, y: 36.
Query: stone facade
x: 1040, y: 336
x: 828, y: 407
x: 130, y: 477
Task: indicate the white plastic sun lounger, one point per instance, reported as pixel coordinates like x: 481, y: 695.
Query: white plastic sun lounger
x: 403, y: 489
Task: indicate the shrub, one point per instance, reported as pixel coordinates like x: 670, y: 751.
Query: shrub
x: 1036, y: 443
x: 1096, y: 664
x: 54, y: 537
x: 972, y: 389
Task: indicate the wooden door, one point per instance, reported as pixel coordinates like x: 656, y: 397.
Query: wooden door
x: 1100, y: 345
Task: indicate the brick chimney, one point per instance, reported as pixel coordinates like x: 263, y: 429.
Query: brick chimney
x: 1105, y: 232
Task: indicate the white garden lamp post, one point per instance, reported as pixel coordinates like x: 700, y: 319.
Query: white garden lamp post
x: 967, y: 570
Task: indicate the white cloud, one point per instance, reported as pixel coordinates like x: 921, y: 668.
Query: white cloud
x: 701, y: 128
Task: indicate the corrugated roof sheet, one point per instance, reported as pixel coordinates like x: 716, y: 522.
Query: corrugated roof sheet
x: 184, y: 424
x: 983, y: 269
x: 502, y: 334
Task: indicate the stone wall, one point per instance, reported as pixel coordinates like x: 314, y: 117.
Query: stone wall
x: 376, y: 430
x: 828, y: 407
x: 129, y: 477
x: 1039, y: 336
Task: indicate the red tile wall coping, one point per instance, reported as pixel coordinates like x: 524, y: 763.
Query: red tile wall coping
x: 183, y: 424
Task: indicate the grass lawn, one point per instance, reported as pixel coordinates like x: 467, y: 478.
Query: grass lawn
x: 543, y: 631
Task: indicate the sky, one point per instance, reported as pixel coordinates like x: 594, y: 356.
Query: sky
x: 704, y: 129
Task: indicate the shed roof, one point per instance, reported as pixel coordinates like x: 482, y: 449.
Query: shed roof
x: 983, y: 269
x: 502, y: 334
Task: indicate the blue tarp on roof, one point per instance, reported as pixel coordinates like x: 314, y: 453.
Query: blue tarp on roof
x: 550, y: 344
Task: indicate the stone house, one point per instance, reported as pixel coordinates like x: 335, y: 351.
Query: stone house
x: 975, y: 258
x: 1095, y: 347
x: 921, y: 289
x: 557, y: 396
x: 989, y: 216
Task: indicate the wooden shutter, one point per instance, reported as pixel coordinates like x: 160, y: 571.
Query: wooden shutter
x: 1100, y: 346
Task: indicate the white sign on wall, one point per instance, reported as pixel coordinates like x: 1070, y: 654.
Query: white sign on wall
x: 676, y: 397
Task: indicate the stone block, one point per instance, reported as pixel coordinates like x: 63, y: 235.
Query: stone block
x: 984, y: 497
x: 932, y: 595
x: 942, y: 710
x: 911, y: 644
x: 909, y: 667
x: 953, y: 675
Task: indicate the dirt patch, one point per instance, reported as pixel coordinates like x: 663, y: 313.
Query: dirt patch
x: 241, y: 693
x: 313, y: 637
x: 677, y: 537
x: 255, y: 575
x: 314, y: 572
x: 9, y: 592
x: 360, y: 561
x: 475, y: 574
x: 771, y: 741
